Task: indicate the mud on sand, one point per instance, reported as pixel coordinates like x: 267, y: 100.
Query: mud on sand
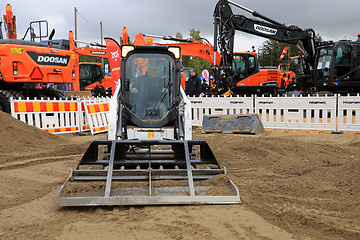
x: 293, y: 186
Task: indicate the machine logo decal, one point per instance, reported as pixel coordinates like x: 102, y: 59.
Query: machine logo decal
x: 49, y: 59
x: 98, y: 52
x: 115, y: 55
x: 265, y: 30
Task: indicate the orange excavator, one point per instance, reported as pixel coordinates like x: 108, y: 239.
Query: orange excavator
x: 42, y: 68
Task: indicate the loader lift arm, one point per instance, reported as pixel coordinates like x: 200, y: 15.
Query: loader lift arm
x: 226, y: 23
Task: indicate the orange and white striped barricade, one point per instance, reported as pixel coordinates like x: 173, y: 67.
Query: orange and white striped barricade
x: 97, y: 116
x: 84, y: 123
x: 53, y: 116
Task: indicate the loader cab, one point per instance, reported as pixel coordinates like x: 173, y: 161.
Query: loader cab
x: 150, y: 79
x: 337, y: 66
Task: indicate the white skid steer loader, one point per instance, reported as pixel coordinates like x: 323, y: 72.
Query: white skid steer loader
x: 149, y: 157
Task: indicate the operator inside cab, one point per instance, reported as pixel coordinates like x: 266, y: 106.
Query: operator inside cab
x: 150, y: 86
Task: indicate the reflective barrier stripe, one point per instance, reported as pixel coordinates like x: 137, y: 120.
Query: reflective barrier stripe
x: 104, y: 107
x: 45, y: 107
x: 62, y: 130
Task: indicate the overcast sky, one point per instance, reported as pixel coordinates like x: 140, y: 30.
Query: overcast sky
x: 332, y: 19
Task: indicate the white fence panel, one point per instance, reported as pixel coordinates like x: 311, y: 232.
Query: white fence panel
x: 304, y: 113
x: 53, y: 116
x: 349, y: 113
x: 334, y: 113
x: 201, y: 106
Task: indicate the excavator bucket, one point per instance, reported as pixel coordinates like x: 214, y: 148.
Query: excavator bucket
x: 247, y: 123
x: 142, y: 172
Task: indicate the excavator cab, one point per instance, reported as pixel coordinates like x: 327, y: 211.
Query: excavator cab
x: 245, y: 64
x: 89, y: 73
x: 337, y: 66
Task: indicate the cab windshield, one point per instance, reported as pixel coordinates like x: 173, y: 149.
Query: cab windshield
x: 239, y: 64
x: 323, y: 63
x: 150, y: 78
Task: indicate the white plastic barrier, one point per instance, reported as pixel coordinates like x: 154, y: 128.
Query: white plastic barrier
x: 97, y: 116
x: 349, y: 113
x: 60, y: 116
x: 201, y: 106
x: 334, y: 113
x: 304, y: 113
x: 53, y: 116
x: 84, y: 118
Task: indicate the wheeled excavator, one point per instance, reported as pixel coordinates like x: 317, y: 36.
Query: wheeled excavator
x: 29, y: 67
x: 149, y: 157
x: 328, y: 66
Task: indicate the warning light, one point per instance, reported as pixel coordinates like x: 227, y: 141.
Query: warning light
x: 36, y: 74
x: 15, y: 70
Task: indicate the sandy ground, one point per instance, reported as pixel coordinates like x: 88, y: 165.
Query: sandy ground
x: 293, y: 186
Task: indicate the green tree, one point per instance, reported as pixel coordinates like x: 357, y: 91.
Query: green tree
x: 179, y: 35
x: 194, y: 62
x: 195, y: 34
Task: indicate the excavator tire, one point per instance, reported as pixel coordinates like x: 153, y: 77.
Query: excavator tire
x: 4, y: 102
x: 5, y: 96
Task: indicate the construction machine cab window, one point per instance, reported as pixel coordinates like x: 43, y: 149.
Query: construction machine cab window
x: 149, y: 78
x: 89, y: 73
x: 343, y: 60
x: 323, y: 65
x: 244, y: 65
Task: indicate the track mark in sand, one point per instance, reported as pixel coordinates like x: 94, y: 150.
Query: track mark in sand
x: 36, y: 161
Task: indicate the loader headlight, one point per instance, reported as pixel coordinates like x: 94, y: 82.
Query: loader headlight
x: 175, y: 51
x: 126, y: 49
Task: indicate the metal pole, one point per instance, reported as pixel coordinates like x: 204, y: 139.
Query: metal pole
x: 1, y: 34
x: 101, y: 34
x: 75, y: 24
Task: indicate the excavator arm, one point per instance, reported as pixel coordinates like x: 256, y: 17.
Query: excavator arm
x: 10, y: 25
x: 226, y: 23
x: 189, y: 47
x: 201, y: 50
